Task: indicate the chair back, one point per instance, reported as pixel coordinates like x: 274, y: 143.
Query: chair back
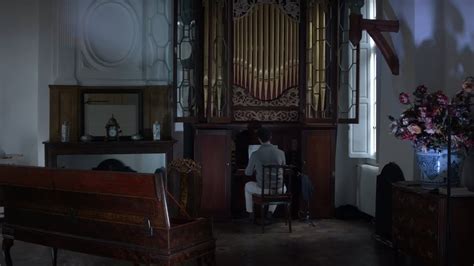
x: 275, y: 178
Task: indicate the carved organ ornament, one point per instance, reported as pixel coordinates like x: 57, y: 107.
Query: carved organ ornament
x: 270, y: 60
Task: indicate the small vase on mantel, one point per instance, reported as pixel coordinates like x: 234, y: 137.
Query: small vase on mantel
x: 433, y: 166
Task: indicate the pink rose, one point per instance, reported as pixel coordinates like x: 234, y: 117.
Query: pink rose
x: 468, y: 84
x: 422, y: 111
x: 408, y: 136
x: 442, y: 99
x: 430, y: 127
x: 404, y: 98
x: 430, y: 131
x: 421, y: 89
x: 414, y: 129
x: 436, y: 111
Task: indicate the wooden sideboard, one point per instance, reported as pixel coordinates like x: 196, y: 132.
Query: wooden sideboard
x: 419, y: 225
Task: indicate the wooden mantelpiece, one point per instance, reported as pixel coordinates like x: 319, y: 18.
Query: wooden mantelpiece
x: 66, y: 104
x: 53, y: 149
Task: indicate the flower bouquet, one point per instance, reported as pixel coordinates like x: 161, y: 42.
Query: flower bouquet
x: 425, y: 123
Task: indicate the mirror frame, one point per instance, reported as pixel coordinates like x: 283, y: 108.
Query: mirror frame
x: 111, y: 90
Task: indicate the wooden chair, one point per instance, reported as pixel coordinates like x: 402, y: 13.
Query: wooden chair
x: 275, y: 179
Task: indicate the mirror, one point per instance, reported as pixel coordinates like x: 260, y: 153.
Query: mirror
x: 99, y: 106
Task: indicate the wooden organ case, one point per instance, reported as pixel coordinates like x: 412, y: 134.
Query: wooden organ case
x: 243, y: 64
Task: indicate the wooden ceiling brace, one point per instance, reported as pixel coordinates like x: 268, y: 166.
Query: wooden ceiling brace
x: 374, y: 28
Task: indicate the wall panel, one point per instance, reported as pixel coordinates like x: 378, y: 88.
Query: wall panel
x: 113, y: 42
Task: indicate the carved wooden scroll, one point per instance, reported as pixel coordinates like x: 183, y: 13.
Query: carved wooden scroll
x: 374, y: 28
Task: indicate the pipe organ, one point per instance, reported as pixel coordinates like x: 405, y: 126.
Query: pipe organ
x: 266, y: 49
x: 263, y: 60
x: 216, y: 52
x: 317, y: 43
x: 254, y: 52
x: 274, y: 63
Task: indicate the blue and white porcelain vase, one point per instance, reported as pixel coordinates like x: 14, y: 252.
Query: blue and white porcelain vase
x: 433, y: 165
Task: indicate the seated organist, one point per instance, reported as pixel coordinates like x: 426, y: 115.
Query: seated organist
x: 267, y: 154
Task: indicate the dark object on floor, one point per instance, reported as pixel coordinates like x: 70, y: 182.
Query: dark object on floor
x: 113, y: 165
x: 383, y: 205
x: 118, y: 215
x: 307, y: 189
x: 349, y: 212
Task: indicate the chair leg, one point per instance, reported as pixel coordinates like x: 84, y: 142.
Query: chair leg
x: 6, y: 246
x: 54, y: 255
x: 254, y: 216
x: 262, y: 217
x: 288, y: 215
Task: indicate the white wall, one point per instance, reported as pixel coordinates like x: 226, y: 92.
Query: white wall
x: 389, y: 87
x: 346, y: 172
x: 45, y: 72
x: 435, y: 47
x: 19, y: 78
x: 74, y: 42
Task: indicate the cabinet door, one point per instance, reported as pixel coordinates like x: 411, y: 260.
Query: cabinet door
x: 318, y: 156
x: 212, y: 151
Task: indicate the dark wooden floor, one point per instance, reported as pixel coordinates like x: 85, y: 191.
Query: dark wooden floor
x: 330, y: 242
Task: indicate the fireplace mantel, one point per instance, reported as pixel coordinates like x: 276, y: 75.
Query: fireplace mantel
x: 53, y: 149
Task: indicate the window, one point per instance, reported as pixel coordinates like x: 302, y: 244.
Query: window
x: 362, y: 136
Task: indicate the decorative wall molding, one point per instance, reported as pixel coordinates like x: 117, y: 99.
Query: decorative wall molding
x: 241, y: 97
x: 65, y: 32
x: 266, y: 115
x: 110, y: 40
x: 158, y: 41
x: 99, y: 47
x: 113, y: 42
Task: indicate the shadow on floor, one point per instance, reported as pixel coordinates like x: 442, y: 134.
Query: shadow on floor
x: 328, y: 243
